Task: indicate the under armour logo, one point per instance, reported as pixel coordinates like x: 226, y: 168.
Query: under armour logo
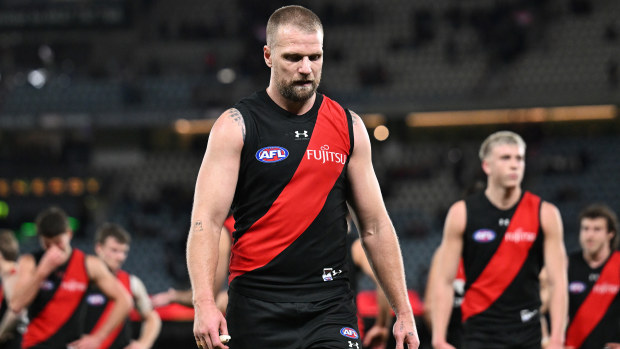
x: 299, y: 134
x: 354, y: 344
x: 503, y: 222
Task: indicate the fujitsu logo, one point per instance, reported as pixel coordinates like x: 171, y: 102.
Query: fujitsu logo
x: 73, y: 286
x: 605, y: 288
x: 324, y: 155
x: 519, y: 235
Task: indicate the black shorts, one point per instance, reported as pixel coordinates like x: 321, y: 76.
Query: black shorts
x: 522, y: 337
x: 327, y: 324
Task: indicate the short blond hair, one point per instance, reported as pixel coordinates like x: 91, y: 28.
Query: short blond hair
x: 295, y: 15
x: 497, y: 138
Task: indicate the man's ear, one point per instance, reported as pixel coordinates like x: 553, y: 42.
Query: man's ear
x: 267, y: 55
x: 485, y: 167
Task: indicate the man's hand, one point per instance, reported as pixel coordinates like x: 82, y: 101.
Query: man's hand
x: 53, y: 258
x: 86, y: 342
x: 209, y: 323
x: 376, y: 337
x: 162, y: 298
x: 443, y: 345
x: 136, y: 345
x: 405, y: 332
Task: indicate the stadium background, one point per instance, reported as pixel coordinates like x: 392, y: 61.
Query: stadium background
x: 105, y: 107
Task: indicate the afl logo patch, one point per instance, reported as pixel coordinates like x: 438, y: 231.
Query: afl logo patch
x: 349, y: 333
x: 47, y: 285
x: 95, y: 299
x: 271, y: 154
x: 484, y: 235
x: 576, y: 287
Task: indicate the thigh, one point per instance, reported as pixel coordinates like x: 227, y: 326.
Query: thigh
x: 253, y: 323
x: 331, y: 324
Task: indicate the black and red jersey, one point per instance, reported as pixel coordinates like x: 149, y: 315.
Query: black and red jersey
x: 594, y: 302
x: 290, y: 201
x: 98, y: 310
x: 56, y: 314
x: 502, y: 256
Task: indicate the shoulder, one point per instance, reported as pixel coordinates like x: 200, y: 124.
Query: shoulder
x: 547, y: 208
x: 458, y: 208
x: 549, y: 214
x: 95, y: 266
x: 26, y: 261
x: 230, y: 123
x: 358, y: 125
x: 456, y: 218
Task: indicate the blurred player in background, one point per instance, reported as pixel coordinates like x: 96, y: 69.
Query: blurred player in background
x: 594, y: 282
x: 52, y: 284
x: 10, y: 338
x: 505, y: 235
x: 112, y: 246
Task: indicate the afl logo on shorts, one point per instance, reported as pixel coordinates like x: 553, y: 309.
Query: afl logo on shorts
x: 576, y: 287
x: 271, y: 154
x: 484, y: 235
x: 349, y: 333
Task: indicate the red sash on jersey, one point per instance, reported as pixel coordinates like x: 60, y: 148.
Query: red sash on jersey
x: 302, y: 198
x: 229, y: 224
x: 123, y: 277
x: 460, y: 272
x: 63, y: 304
x: 507, y: 260
x: 596, y: 304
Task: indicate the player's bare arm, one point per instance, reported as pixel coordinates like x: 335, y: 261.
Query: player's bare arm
x: 556, y: 266
x: 151, y: 323
x: 112, y: 288
x: 378, y: 236
x: 30, y: 275
x: 447, y: 265
x: 215, y: 189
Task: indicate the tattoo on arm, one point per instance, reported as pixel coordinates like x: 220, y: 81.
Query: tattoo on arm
x: 198, y: 226
x: 236, y: 115
x: 354, y: 117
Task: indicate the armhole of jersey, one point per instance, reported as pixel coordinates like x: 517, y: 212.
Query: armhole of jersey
x: 466, y: 223
x: 350, y: 125
x: 540, y: 227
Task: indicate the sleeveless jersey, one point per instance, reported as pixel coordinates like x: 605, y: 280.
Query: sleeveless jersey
x: 290, y: 201
x: 98, y: 308
x: 502, y: 256
x: 597, y: 323
x: 57, y: 312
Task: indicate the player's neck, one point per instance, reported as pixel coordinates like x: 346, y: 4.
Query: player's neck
x: 502, y: 197
x: 597, y: 258
x: 293, y: 107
